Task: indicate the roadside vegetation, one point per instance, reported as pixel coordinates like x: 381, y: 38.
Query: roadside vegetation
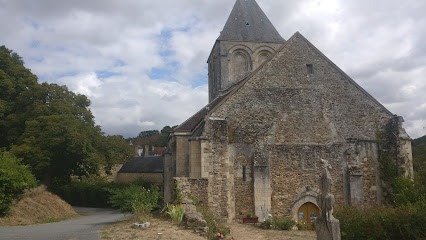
x: 47, y: 134
x: 138, y: 197
x: 38, y: 206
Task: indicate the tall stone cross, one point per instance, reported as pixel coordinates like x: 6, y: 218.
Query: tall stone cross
x: 327, y: 227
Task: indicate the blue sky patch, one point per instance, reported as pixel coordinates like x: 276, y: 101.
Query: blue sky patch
x: 105, y: 74
x: 31, y: 22
x: 67, y: 74
x: 119, y: 63
x: 199, y: 80
x: 35, y: 44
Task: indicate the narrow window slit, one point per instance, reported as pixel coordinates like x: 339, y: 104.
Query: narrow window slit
x: 310, y: 68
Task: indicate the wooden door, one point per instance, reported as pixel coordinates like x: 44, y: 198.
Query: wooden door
x: 308, y: 212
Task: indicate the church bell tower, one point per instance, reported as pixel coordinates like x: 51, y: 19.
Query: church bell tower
x: 246, y: 41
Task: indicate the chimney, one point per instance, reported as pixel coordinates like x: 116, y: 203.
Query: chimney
x: 146, y: 151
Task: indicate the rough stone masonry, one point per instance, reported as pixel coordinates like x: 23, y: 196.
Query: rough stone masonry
x: 276, y: 107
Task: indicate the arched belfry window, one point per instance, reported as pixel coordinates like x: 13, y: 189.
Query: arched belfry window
x: 262, y: 57
x: 240, y: 65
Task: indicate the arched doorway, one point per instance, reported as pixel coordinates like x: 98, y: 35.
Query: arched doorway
x: 308, y: 212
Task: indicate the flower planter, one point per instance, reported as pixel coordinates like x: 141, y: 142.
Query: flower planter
x: 250, y: 220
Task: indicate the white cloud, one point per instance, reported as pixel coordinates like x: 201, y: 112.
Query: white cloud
x: 108, y: 49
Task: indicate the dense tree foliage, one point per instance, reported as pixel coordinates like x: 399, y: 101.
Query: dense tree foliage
x: 50, y: 127
x: 14, y: 178
x: 419, y: 153
x: 153, y: 137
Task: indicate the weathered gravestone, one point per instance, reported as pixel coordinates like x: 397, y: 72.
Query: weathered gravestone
x: 327, y: 227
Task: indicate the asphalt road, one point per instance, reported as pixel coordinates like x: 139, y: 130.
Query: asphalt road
x: 80, y: 228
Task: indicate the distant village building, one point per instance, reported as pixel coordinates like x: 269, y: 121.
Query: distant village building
x: 146, y: 164
x: 150, y: 168
x: 276, y: 108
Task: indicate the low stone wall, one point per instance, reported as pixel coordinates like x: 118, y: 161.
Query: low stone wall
x: 196, y: 187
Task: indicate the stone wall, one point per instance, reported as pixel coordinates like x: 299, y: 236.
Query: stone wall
x: 220, y: 174
x: 196, y: 187
x: 240, y: 154
x: 299, y: 118
x: 294, y: 175
x: 181, y: 154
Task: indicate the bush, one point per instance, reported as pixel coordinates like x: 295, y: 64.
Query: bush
x: 138, y: 197
x: 407, y: 192
x: 405, y: 222
x: 283, y: 223
x: 14, y: 179
x: 278, y: 223
x: 302, y: 225
x: 87, y: 192
x: 266, y: 224
x: 135, y: 197
x: 216, y: 230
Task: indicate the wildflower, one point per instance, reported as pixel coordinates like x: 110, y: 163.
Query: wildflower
x: 221, y: 236
x: 217, y: 234
x: 217, y: 225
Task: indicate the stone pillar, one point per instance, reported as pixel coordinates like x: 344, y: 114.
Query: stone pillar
x: 356, y: 187
x: 262, y: 184
x: 404, y: 152
x: 221, y: 176
x: 182, y: 156
x: 262, y: 192
x: 168, y: 178
x: 195, y: 158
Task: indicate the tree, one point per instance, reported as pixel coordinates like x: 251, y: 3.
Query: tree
x: 51, y: 128
x: 149, y: 133
x: 16, y: 83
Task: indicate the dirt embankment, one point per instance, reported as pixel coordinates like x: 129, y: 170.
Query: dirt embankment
x: 38, y: 206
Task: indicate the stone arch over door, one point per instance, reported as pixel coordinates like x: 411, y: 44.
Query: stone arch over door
x: 300, y: 202
x: 240, y: 64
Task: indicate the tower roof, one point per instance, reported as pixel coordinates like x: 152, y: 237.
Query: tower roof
x: 247, y: 22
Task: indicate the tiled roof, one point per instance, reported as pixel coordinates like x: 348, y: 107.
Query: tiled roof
x: 247, y: 22
x: 193, y: 121
x: 158, y: 150
x: 148, y: 164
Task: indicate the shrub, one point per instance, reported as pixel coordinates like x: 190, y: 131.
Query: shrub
x: 86, y: 192
x: 383, y: 223
x: 283, y: 223
x: 216, y: 230
x: 302, y: 225
x: 175, y: 212
x: 406, y: 192
x: 138, y: 197
x: 266, y: 224
x: 135, y: 197
x: 14, y: 179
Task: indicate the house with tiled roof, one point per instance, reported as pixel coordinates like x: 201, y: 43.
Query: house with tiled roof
x: 276, y: 108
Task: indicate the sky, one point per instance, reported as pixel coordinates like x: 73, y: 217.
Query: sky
x: 142, y: 63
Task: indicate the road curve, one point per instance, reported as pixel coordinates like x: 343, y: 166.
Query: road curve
x: 80, y: 228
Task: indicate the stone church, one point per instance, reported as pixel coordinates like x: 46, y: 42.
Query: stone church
x: 276, y: 108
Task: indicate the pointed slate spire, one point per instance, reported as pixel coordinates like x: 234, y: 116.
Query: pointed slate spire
x: 247, y: 22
